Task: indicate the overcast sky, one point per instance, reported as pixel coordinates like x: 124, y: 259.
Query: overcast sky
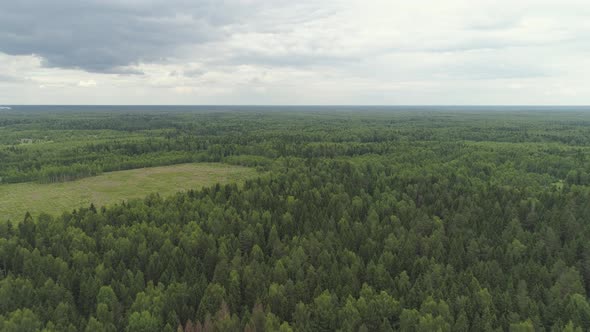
x: 295, y: 52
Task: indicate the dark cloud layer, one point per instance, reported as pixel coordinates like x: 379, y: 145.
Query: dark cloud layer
x: 285, y: 51
x: 106, y: 36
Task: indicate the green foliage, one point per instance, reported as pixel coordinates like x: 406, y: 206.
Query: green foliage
x: 20, y: 321
x: 361, y: 222
x: 526, y: 326
x: 143, y: 322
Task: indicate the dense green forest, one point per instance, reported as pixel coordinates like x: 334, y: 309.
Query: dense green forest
x: 366, y: 221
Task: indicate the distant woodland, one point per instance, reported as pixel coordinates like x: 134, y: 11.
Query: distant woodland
x: 375, y: 221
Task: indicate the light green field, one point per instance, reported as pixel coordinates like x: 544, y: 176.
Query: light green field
x: 108, y: 188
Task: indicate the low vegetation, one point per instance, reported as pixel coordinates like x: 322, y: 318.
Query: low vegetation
x: 113, y: 187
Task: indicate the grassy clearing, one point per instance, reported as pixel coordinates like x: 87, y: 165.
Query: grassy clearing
x: 108, y: 188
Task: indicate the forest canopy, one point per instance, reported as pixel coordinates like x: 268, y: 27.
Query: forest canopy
x: 375, y: 221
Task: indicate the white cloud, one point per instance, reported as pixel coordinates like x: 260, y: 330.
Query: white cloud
x: 86, y: 84
x: 328, y: 52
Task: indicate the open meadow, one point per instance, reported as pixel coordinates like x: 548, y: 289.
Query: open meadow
x: 113, y: 187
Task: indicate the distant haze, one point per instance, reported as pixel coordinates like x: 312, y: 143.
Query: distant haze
x: 461, y: 52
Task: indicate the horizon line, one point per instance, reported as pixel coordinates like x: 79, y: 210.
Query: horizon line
x: 316, y: 105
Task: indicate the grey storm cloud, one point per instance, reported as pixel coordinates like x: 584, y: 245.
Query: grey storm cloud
x: 285, y: 51
x: 106, y: 36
